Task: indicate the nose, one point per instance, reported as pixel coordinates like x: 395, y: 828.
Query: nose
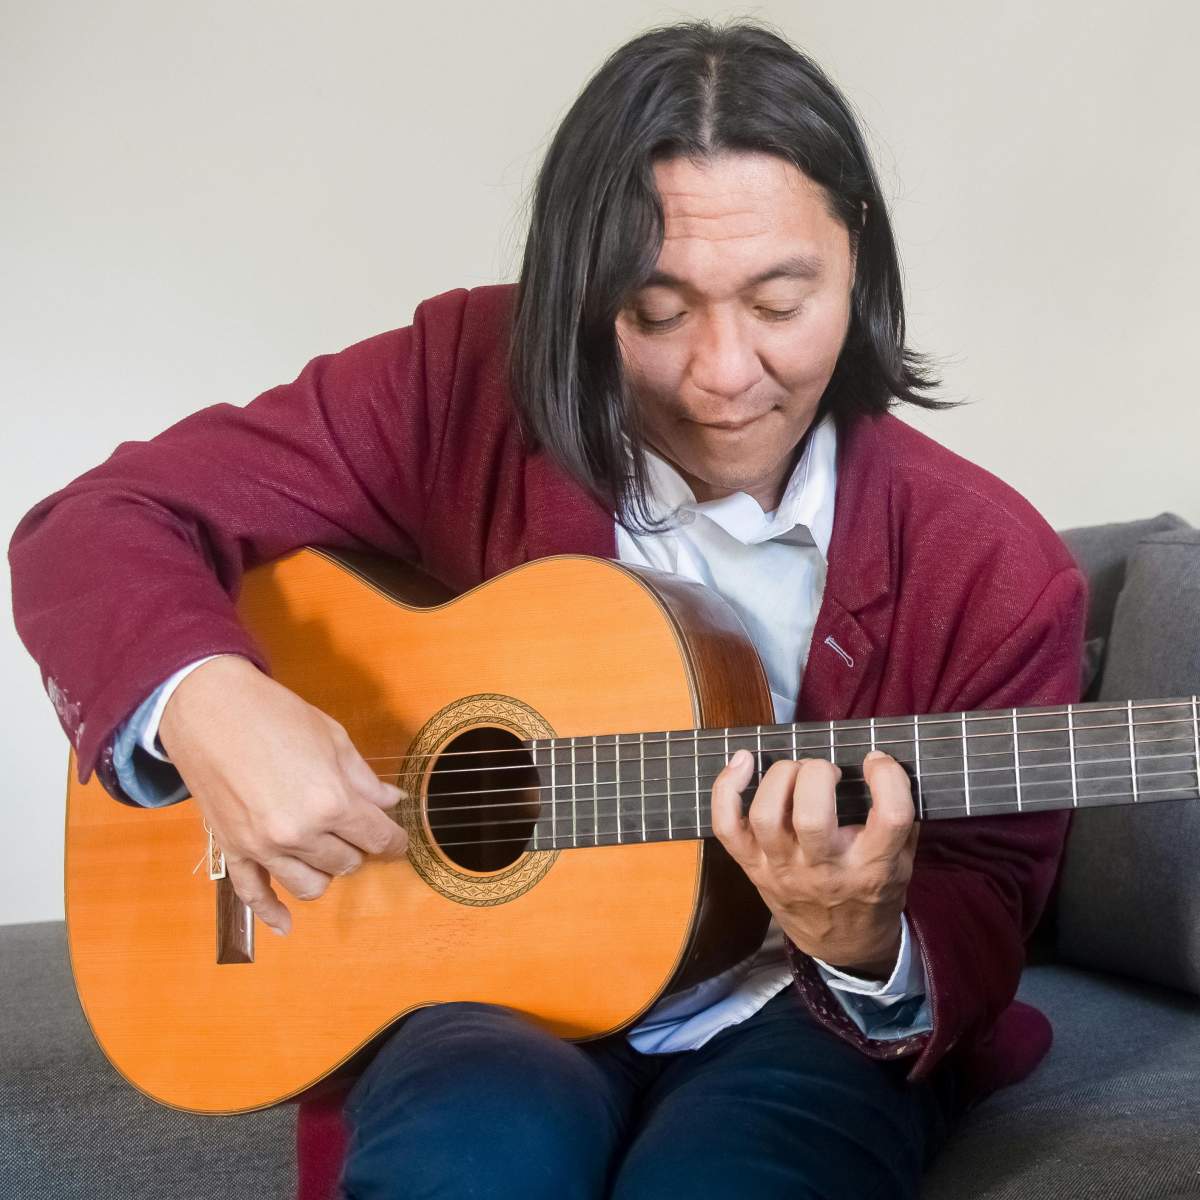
x: 724, y: 360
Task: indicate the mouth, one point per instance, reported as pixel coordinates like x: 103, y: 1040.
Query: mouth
x: 730, y: 426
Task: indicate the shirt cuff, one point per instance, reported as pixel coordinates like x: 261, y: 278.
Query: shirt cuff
x: 142, y: 766
x: 889, y: 1008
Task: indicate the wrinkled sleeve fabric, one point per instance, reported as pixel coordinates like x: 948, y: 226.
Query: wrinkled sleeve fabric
x: 980, y: 884
x: 132, y: 570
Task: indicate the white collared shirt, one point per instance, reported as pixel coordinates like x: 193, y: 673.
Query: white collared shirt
x: 770, y: 567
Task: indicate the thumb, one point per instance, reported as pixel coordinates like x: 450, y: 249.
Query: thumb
x: 389, y: 795
x: 367, y: 784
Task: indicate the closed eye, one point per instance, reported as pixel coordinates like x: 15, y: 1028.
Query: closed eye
x: 770, y: 314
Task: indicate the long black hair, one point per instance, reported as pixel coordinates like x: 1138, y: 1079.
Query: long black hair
x: 693, y: 89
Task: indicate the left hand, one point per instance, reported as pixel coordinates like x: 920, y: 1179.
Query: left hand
x: 837, y: 893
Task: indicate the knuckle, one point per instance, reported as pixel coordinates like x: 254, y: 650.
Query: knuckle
x: 818, y: 770
x: 378, y: 838
x: 876, y: 883
x: 759, y: 818
x: 338, y: 734
x: 283, y: 829
x: 825, y: 879
x: 312, y: 890
x: 325, y: 812
x: 722, y: 826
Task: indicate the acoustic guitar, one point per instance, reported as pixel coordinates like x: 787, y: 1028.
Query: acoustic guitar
x: 558, y: 729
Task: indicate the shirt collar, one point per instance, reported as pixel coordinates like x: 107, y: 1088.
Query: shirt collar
x: 805, y: 512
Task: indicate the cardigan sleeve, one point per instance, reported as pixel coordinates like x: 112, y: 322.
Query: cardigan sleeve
x: 979, y: 885
x: 133, y: 569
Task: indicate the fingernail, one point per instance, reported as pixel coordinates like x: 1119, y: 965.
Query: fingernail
x: 739, y: 758
x: 874, y: 754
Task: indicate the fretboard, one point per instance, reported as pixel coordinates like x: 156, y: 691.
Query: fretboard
x: 647, y: 787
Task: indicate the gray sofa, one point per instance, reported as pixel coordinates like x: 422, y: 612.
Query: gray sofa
x: 1114, y: 1111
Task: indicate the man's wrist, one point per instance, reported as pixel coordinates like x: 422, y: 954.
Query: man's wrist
x: 879, y: 967
x: 228, y: 664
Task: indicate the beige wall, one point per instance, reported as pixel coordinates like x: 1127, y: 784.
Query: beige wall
x: 199, y: 198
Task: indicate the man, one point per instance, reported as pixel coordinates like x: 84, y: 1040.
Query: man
x: 694, y: 372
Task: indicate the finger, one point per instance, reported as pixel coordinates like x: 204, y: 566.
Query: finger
x: 814, y: 810
x: 331, y: 854
x: 301, y: 880
x: 890, y: 819
x: 729, y: 825
x: 253, y: 887
x: 372, y: 831
x: 771, y: 813
x: 363, y: 780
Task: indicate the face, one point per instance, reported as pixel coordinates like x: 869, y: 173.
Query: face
x: 730, y: 346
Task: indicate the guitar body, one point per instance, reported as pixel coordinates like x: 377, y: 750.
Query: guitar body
x: 583, y: 940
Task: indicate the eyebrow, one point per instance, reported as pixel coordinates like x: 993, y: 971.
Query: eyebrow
x: 795, y: 266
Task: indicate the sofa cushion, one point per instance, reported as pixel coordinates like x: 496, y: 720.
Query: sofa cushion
x: 1110, y: 1114
x: 1129, y: 898
x: 1102, y: 552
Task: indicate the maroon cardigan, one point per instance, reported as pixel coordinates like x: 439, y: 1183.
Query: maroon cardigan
x: 945, y: 587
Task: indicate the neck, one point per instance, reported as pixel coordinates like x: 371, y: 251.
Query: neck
x: 640, y: 787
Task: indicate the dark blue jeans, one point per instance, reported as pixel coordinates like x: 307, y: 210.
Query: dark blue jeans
x: 468, y: 1100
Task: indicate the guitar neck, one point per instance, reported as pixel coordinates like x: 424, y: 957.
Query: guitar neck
x: 643, y: 787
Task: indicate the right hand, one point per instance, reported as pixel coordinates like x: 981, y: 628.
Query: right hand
x: 279, y: 782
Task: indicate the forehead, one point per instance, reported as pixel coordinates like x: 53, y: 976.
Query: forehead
x: 738, y: 211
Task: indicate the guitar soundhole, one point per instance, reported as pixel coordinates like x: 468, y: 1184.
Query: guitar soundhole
x: 482, y: 800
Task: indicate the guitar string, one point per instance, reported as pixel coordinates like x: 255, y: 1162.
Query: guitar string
x: 561, y: 838
x: 817, y: 732
x: 924, y: 776
x: 568, y: 804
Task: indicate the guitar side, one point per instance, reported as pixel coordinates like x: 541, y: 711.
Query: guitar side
x: 583, y: 945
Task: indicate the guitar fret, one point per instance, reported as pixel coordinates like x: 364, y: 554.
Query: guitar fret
x: 966, y: 766
x: 595, y: 796
x: 696, y: 757
x: 574, y: 799
x: 667, y: 768
x: 1196, y: 739
x: 1071, y: 735
x: 642, y: 774
x: 617, y: 777
x: 917, y: 768
x: 872, y: 733
x: 1132, y: 751
x: 538, y: 776
x: 1017, y: 758
x: 832, y: 745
